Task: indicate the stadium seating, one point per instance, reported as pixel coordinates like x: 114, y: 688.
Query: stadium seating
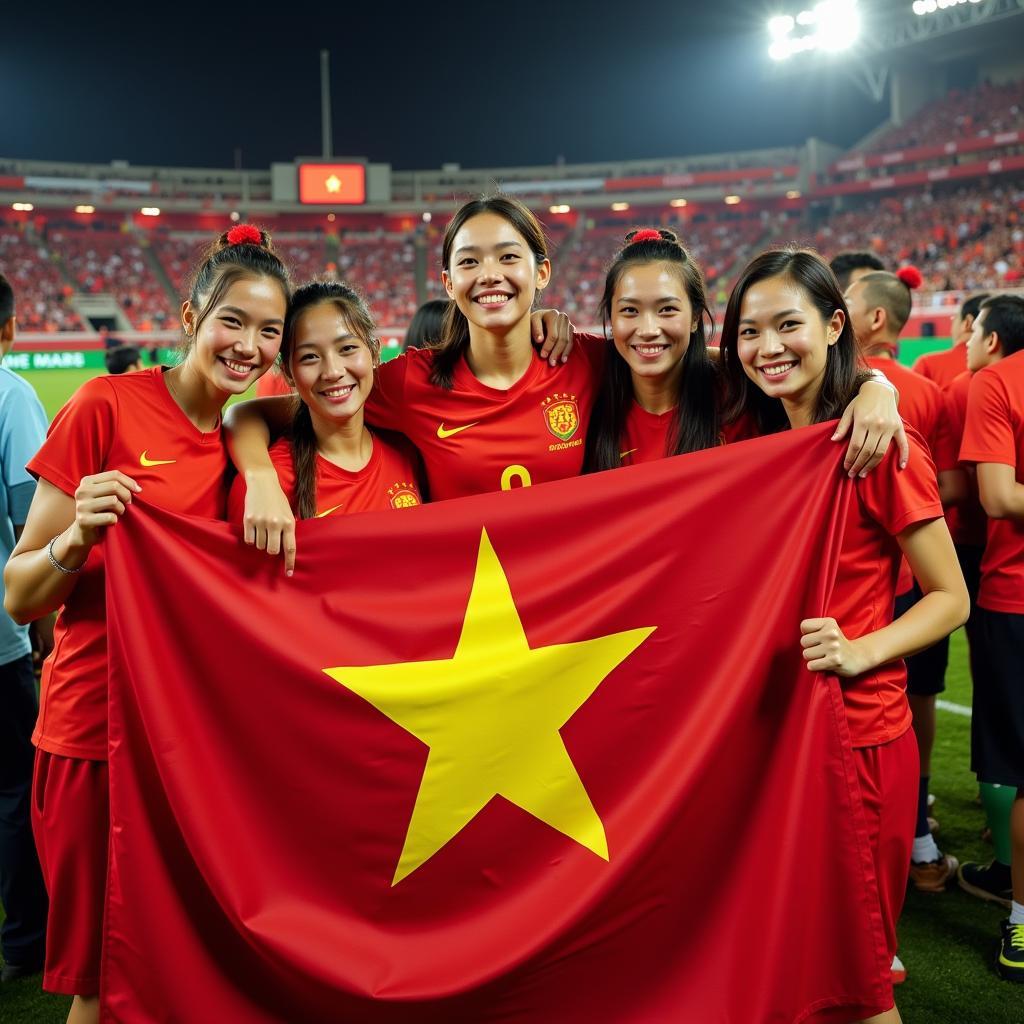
x: 40, y: 290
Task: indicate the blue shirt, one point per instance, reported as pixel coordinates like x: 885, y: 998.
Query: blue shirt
x: 22, y: 431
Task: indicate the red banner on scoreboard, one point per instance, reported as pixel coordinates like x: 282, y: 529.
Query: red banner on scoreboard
x: 332, y: 184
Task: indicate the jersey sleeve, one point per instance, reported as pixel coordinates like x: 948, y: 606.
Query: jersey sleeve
x: 897, y: 498
x: 22, y: 431
x: 386, y: 405
x: 988, y: 430
x: 79, y: 439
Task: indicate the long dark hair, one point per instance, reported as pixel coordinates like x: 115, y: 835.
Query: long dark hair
x: 357, y: 316
x: 455, y: 330
x: 843, y: 376
x: 695, y: 426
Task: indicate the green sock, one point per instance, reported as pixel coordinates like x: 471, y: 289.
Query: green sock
x: 997, y: 801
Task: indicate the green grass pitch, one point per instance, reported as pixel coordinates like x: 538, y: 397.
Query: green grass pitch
x: 948, y: 942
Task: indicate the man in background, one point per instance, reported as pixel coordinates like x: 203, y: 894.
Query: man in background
x: 22, y: 430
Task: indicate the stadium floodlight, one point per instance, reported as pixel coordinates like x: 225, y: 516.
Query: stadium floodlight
x: 831, y: 26
x: 22, y: 207
x: 559, y: 208
x: 427, y: 216
x: 150, y: 211
x: 619, y: 207
x: 732, y: 200
x: 85, y: 208
x: 923, y: 7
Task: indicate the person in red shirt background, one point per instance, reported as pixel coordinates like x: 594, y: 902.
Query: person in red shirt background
x: 155, y: 433
x: 942, y: 367
x: 330, y: 463
x: 790, y: 359
x: 994, y: 443
x: 879, y: 304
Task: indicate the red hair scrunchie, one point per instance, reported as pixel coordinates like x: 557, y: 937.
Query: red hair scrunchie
x: 646, y: 235
x: 244, y: 234
x: 910, y: 276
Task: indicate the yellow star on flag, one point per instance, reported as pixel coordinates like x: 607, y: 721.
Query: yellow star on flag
x: 333, y: 183
x: 491, y: 716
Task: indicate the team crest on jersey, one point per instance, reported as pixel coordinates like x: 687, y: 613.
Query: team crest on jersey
x: 562, y: 415
x: 403, y: 495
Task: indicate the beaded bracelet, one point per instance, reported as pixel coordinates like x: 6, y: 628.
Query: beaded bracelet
x: 53, y: 558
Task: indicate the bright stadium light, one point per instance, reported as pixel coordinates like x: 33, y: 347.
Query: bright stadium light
x: 831, y: 26
x: 150, y: 211
x: 922, y: 7
x: 85, y: 208
x: 732, y: 200
x: 619, y: 207
x: 678, y: 203
x: 22, y: 207
x: 559, y: 208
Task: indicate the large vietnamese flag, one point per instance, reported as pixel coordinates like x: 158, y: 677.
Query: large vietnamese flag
x: 549, y: 755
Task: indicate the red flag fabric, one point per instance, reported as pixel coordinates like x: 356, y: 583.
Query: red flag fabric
x: 547, y: 755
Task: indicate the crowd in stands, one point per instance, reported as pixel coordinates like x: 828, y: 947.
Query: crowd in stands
x: 984, y: 110
x: 113, y: 262
x: 42, y: 292
x: 971, y: 238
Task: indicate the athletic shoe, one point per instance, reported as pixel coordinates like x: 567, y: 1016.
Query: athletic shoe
x: 1011, y: 952
x: 898, y: 971
x: 934, y: 875
x: 986, y: 881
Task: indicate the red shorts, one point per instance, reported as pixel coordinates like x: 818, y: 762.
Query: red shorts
x: 71, y: 822
x: 888, y: 776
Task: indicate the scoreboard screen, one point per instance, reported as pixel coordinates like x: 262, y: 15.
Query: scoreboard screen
x: 332, y: 184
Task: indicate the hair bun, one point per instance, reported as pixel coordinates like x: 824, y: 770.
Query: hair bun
x: 244, y: 234
x: 910, y: 276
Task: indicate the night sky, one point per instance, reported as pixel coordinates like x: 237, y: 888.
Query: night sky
x: 471, y: 83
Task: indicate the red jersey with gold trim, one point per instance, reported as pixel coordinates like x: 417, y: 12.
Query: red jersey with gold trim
x: 128, y: 422
x: 942, y: 367
x: 475, y: 438
x: 995, y: 433
x: 884, y: 504
x: 967, y: 521
x: 388, y: 480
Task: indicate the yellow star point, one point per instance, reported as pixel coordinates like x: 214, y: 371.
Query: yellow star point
x: 491, y: 716
x: 333, y: 183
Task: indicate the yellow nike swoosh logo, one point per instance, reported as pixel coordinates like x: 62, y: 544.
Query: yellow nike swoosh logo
x: 145, y: 460
x: 442, y: 433
x: 328, y: 511
x: 622, y: 455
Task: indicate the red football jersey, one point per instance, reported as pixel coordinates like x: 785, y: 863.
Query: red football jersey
x: 941, y: 367
x: 645, y: 437
x: 388, y: 480
x: 128, y: 422
x: 886, y: 502
x: 922, y: 406
x: 475, y: 438
x: 995, y: 433
x: 967, y: 521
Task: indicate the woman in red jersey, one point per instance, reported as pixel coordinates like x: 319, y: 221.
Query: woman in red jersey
x: 484, y: 412
x: 330, y: 463
x: 155, y: 433
x: 790, y: 359
x: 661, y: 389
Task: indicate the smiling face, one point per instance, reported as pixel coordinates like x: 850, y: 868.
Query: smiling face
x: 652, y: 319
x: 783, y: 340
x: 331, y: 366
x: 239, y: 338
x: 492, y: 275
